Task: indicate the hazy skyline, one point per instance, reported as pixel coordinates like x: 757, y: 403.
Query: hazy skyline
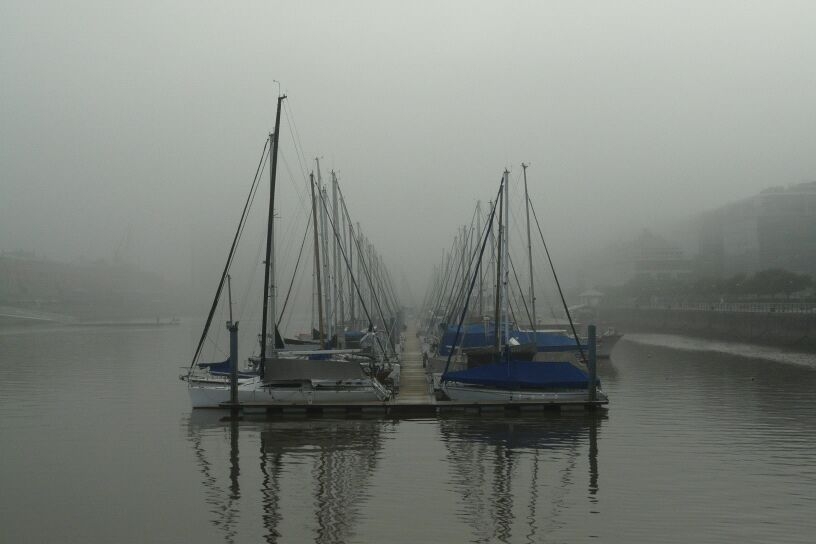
x: 150, y: 117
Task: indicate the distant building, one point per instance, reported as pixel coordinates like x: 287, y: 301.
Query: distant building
x: 774, y: 229
x: 655, y: 257
x: 591, y: 298
x: 646, y: 256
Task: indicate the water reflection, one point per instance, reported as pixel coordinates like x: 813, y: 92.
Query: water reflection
x: 271, y: 469
x: 344, y: 455
x: 341, y: 455
x: 491, y: 458
x: 222, y: 498
x: 700, y: 446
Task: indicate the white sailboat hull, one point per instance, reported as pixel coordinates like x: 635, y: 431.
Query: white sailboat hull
x: 215, y: 395
x: 204, y: 395
x: 469, y: 393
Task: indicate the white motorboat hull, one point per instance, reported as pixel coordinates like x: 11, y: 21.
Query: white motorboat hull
x: 605, y: 344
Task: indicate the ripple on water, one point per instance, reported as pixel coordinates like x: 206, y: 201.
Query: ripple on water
x: 752, y: 351
x: 698, y: 445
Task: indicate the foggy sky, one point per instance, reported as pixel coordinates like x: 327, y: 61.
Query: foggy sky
x: 149, y: 119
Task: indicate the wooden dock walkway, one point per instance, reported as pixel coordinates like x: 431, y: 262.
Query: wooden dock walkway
x: 414, y: 388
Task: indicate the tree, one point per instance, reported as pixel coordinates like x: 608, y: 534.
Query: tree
x: 774, y: 281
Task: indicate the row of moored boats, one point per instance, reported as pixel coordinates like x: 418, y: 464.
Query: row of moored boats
x: 481, y: 338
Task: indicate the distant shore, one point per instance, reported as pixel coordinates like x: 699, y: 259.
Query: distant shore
x: 788, y: 330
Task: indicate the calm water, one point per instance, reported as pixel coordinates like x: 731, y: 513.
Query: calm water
x: 703, y: 442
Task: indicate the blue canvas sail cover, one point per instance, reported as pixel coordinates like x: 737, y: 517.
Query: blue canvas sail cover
x: 224, y: 368
x: 477, y: 335
x: 548, y: 341
x: 471, y: 336
x: 522, y: 375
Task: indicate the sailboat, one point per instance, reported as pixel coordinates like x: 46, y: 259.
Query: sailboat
x: 475, y: 341
x: 278, y: 375
x: 505, y: 377
x: 551, y: 344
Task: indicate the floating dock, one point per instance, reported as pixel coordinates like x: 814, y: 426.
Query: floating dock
x: 415, y: 398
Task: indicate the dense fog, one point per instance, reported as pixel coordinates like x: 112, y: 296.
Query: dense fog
x: 131, y: 133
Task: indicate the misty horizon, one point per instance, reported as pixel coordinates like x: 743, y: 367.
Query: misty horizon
x: 137, y: 129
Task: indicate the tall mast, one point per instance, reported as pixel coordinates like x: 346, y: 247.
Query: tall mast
x: 497, y: 304
x: 530, y: 253
x: 335, y: 260
x: 506, y: 256
x: 269, y: 271
x: 313, y: 326
x: 479, y: 233
x: 325, y: 250
x: 229, y: 295
x: 327, y: 268
x: 360, y: 264
x: 372, y: 287
x: 352, y: 317
x: 341, y: 226
x: 317, y: 265
x: 492, y: 233
x: 463, y: 261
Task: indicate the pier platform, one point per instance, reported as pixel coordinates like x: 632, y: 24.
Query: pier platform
x: 414, y: 399
x: 397, y: 408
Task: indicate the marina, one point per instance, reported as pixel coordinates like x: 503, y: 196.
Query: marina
x: 459, y: 272
x: 353, y: 363
x: 415, y: 398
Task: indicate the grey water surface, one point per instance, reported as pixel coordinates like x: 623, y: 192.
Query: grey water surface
x: 701, y: 443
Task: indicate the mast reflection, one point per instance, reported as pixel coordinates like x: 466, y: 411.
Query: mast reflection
x: 492, y: 458
x: 344, y: 454
x: 223, y: 499
x: 341, y: 455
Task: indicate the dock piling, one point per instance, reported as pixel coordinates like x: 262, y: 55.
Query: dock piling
x: 232, y: 327
x: 592, y: 364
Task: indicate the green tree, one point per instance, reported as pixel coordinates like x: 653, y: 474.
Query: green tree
x: 774, y: 281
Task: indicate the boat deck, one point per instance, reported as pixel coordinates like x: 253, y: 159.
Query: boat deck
x: 415, y: 397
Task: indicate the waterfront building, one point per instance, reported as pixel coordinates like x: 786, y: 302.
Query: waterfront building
x: 774, y: 229
x: 654, y: 257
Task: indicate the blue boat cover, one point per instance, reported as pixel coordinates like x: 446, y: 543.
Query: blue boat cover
x: 548, y: 341
x: 522, y: 375
x: 224, y: 368
x: 471, y: 336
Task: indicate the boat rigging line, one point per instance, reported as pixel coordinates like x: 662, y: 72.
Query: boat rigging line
x: 294, y: 274
x: 488, y: 228
x: 523, y: 300
x: 365, y: 267
x: 446, y: 276
x: 290, y: 120
x: 558, y: 284
x: 238, y: 233
x: 354, y: 281
x: 270, y: 236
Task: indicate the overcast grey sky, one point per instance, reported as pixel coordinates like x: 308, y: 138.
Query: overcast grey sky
x: 150, y: 116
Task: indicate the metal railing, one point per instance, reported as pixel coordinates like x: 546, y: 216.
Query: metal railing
x: 743, y: 307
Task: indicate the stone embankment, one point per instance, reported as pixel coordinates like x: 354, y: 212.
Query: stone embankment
x: 771, y: 325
